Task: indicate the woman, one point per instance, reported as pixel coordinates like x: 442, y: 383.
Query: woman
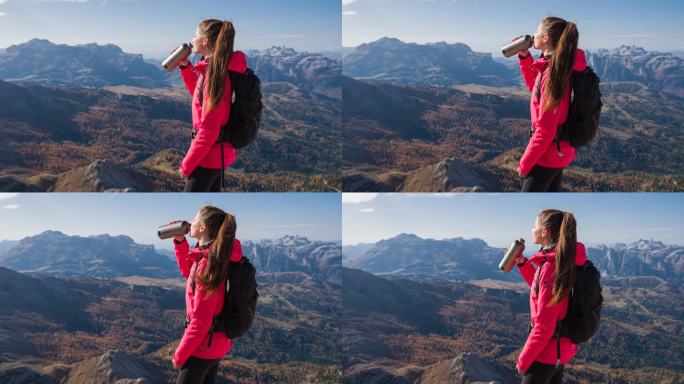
x: 548, y: 78
x: 542, y: 358
x: 205, y: 268
x: 209, y: 85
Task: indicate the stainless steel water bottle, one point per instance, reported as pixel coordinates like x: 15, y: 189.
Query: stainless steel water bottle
x: 514, y: 251
x: 174, y: 229
x: 517, y: 45
x: 182, y: 52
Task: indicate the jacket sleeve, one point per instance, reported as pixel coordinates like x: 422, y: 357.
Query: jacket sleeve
x: 189, y: 78
x: 208, y: 131
x: 544, y: 324
x: 200, y: 323
x: 543, y: 136
x: 527, y: 271
x: 184, y: 262
x: 529, y: 73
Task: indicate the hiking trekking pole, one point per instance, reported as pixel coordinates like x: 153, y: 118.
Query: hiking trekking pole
x: 182, y: 52
x: 514, y: 251
x: 517, y: 45
x: 222, y: 169
x: 177, y: 228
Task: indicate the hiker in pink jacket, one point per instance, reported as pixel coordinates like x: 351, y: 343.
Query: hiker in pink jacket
x: 211, y: 90
x: 548, y: 78
x: 205, y: 267
x: 550, y: 283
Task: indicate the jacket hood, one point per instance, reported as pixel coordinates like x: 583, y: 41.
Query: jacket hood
x: 580, y: 255
x: 238, y: 63
x: 579, y: 65
x: 202, y: 251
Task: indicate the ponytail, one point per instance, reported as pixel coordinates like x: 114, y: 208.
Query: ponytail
x: 564, y: 37
x: 563, y: 230
x: 222, y: 227
x: 565, y: 258
x: 222, y: 34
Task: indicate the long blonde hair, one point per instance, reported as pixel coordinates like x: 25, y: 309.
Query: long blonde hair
x: 562, y: 228
x: 563, y: 36
x: 221, y: 227
x: 221, y: 35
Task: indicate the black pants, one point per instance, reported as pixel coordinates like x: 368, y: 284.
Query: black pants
x: 198, y: 371
x: 542, y: 179
x: 540, y: 373
x: 204, y: 180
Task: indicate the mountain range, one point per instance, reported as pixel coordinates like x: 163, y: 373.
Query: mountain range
x: 141, y: 133
x: 89, y: 65
x: 53, y: 253
x: 394, y: 61
x: 391, y: 60
x: 56, y: 254
x: 410, y: 256
x: 662, y: 71
x: 42, y: 62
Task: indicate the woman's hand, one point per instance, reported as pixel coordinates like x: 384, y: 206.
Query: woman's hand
x: 182, y: 62
x: 521, y: 174
x: 175, y: 364
x: 520, y: 260
x: 521, y: 372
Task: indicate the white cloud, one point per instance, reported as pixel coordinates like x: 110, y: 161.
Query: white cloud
x: 5, y: 196
x: 11, y: 206
x: 367, y: 210
x: 63, y: 1
x: 2, y: 13
x: 347, y: 2
x: 348, y: 13
x: 358, y: 198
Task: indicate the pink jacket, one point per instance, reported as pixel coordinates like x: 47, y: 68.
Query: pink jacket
x: 204, y: 151
x: 200, y: 308
x: 540, y: 345
x: 541, y: 149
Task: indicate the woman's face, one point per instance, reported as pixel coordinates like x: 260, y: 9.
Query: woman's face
x: 197, y: 228
x: 200, y: 44
x: 538, y: 233
x: 541, y: 39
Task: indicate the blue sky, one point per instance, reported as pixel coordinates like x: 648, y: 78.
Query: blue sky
x: 486, y: 24
x: 259, y: 215
x: 602, y: 218
x: 154, y: 27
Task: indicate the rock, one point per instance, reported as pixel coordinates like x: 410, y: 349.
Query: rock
x: 467, y: 368
x: 451, y: 175
x: 103, y: 176
x: 115, y: 367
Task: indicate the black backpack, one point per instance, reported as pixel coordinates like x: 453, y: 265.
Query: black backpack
x: 585, y: 109
x: 584, y: 306
x: 239, y: 305
x: 245, y: 111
